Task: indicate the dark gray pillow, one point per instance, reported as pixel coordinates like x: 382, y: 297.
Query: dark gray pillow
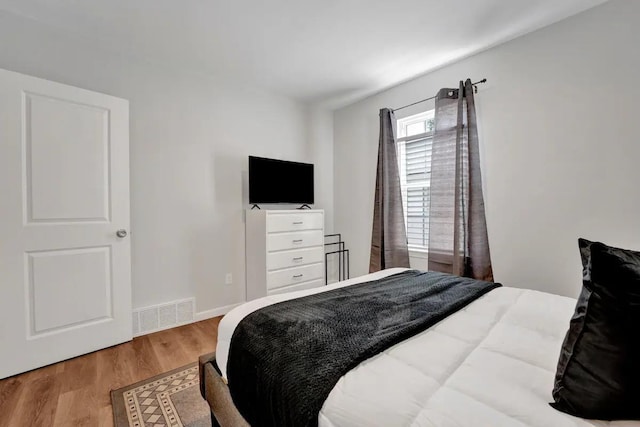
x: 598, y: 375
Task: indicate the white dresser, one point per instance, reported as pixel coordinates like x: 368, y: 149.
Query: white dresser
x: 285, y: 251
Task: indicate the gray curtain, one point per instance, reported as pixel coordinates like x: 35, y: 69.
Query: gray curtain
x: 389, y: 237
x: 458, y: 242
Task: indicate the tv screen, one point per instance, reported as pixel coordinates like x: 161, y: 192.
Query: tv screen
x: 279, y: 181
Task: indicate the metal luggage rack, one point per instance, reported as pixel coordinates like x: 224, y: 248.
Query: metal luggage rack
x: 343, y: 258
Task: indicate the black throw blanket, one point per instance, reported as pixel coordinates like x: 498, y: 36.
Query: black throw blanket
x: 285, y: 358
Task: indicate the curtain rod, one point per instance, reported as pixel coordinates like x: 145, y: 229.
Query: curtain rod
x: 434, y: 97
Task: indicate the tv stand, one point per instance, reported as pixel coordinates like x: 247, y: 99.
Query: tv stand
x: 305, y: 206
x: 255, y: 206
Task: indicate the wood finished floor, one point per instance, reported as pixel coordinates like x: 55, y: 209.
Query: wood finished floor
x: 76, y: 392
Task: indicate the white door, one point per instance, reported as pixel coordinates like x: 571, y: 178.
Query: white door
x: 65, y: 274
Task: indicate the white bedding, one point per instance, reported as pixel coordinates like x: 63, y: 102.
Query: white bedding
x: 490, y: 364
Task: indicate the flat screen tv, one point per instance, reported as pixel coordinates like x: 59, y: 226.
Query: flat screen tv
x: 279, y: 181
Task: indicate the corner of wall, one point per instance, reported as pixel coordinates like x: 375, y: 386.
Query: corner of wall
x: 320, y: 152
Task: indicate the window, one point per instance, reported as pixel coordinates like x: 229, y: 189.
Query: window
x: 415, y: 135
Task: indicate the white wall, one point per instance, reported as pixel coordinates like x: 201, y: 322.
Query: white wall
x: 560, y: 143
x: 190, y: 138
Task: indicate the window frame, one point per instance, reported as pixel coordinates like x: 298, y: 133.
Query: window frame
x: 401, y: 142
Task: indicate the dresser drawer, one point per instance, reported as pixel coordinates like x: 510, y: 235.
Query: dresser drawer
x: 295, y: 240
x: 299, y: 287
x: 293, y: 258
x: 291, y: 276
x: 293, y: 222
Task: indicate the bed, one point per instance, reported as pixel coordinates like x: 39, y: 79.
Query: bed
x: 491, y: 363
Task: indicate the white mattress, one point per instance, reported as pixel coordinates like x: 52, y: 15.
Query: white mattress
x: 490, y: 364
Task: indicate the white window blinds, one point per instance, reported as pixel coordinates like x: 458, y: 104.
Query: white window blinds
x: 415, y: 173
x: 417, y: 160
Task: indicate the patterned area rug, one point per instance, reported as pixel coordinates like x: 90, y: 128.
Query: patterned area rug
x: 171, y: 399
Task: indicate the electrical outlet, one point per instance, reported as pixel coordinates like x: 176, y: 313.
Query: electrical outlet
x: 228, y: 279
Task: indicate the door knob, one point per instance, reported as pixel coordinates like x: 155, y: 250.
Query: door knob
x: 121, y: 233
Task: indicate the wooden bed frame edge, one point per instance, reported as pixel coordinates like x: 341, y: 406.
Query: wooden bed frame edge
x: 215, y: 391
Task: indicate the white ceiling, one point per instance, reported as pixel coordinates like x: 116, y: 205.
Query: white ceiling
x: 326, y: 51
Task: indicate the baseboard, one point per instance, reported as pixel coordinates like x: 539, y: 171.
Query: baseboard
x: 215, y: 312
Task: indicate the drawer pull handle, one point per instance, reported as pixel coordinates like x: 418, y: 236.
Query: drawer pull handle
x: 297, y: 241
x: 298, y: 258
x: 298, y: 223
x: 297, y: 276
